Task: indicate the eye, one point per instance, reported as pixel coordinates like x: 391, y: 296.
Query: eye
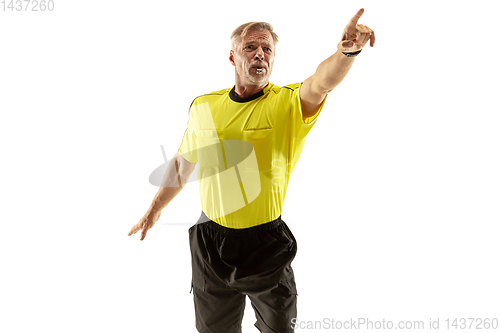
x: 267, y: 49
x: 249, y: 47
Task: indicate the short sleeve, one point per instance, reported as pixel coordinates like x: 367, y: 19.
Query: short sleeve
x: 301, y: 127
x: 188, y: 147
x: 291, y: 126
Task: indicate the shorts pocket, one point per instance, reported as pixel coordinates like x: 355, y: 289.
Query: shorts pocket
x: 277, y: 236
x: 198, y: 281
x: 289, y: 280
x: 293, y: 242
x: 197, y: 258
x: 290, y: 287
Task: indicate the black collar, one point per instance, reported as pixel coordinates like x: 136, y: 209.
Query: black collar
x: 237, y: 99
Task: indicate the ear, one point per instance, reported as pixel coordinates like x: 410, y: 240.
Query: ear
x: 231, y: 57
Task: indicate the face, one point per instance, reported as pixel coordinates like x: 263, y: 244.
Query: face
x: 253, y: 55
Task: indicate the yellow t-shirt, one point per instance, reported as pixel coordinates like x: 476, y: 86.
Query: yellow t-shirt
x: 246, y: 150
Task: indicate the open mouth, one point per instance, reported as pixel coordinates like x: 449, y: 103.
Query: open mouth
x: 259, y: 69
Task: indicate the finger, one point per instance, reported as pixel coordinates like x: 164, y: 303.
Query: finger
x: 370, y: 35
x: 363, y: 35
x: 354, y: 19
x: 133, y: 230
x: 352, y: 30
x: 145, y: 229
x: 350, y: 34
x: 143, y: 235
x: 359, y: 33
x: 136, y: 227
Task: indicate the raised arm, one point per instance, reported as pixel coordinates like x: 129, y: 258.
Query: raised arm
x: 333, y: 70
x: 178, y: 171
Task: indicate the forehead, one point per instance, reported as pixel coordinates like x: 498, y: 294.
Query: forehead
x: 254, y: 35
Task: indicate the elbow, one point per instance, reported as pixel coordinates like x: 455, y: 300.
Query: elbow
x: 324, y: 86
x: 184, y: 168
x: 320, y: 87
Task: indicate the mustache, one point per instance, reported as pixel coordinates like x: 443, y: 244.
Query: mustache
x: 258, y: 64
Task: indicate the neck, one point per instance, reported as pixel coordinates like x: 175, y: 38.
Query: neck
x: 246, y: 90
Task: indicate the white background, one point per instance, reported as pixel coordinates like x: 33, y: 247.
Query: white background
x: 394, y: 202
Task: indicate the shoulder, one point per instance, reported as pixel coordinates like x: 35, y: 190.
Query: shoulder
x: 210, y: 96
x: 288, y: 89
x: 292, y: 87
x: 284, y: 95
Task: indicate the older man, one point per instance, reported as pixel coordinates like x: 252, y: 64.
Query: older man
x: 247, y: 140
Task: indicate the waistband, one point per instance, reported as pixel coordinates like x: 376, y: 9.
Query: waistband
x: 246, y: 231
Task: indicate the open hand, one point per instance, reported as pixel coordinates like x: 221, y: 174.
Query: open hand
x: 145, y: 223
x: 355, y: 35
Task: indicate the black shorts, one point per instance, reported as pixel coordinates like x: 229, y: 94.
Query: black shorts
x: 231, y: 263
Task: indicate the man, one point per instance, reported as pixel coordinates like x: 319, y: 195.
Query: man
x: 247, y: 140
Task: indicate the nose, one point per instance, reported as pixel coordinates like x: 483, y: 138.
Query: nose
x: 259, y: 54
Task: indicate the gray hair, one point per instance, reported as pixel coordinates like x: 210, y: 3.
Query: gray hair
x: 243, y: 29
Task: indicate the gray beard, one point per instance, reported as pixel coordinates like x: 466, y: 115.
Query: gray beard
x: 257, y: 79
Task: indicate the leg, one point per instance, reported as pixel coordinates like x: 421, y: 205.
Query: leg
x: 218, y: 310
x: 276, y: 308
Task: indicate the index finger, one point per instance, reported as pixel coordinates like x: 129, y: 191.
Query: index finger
x: 355, y: 18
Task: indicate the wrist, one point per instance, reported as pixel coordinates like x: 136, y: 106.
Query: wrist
x: 155, y: 208
x: 342, y: 59
x: 351, y: 54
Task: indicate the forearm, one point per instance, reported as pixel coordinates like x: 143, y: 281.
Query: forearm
x: 173, y: 182
x: 163, y: 198
x: 331, y: 72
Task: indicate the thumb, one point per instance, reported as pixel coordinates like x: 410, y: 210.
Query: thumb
x: 346, y: 46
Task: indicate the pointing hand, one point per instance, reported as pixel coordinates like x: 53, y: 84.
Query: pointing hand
x: 355, y: 35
